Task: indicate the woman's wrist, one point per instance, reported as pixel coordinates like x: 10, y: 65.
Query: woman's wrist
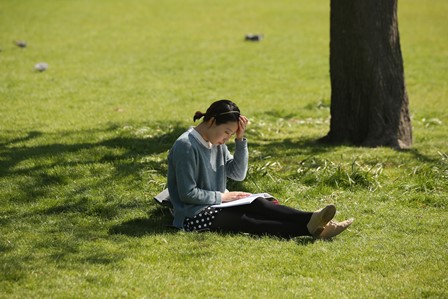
x: 223, y: 197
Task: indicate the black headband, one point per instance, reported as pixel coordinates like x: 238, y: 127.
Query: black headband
x: 228, y: 112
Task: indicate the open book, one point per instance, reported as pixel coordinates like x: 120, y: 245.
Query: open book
x: 244, y: 201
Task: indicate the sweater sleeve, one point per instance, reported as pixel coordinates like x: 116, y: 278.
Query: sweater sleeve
x: 185, y: 161
x: 237, y: 164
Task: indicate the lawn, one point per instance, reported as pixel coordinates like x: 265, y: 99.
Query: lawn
x: 83, y: 148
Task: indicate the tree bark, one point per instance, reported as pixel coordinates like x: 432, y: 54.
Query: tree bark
x: 369, y: 102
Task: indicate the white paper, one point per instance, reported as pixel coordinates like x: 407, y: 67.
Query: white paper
x: 243, y: 201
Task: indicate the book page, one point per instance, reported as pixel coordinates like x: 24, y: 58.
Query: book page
x: 243, y: 201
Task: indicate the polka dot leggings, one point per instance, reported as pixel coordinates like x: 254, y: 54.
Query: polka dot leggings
x: 202, y: 221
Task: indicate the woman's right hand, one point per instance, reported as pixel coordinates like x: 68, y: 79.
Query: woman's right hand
x: 231, y: 196
x: 242, y: 124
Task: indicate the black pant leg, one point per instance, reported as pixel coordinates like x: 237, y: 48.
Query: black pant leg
x: 263, y: 218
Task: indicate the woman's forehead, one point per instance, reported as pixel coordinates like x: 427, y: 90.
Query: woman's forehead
x: 232, y: 126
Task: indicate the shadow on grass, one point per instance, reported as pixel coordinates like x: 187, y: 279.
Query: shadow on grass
x: 35, y: 161
x: 44, y: 160
x: 303, y: 146
x: 13, y: 154
x: 140, y: 227
x: 29, y: 162
x: 31, y: 135
x: 158, y: 222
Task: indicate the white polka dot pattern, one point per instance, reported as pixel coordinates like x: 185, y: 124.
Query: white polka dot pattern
x: 201, y: 221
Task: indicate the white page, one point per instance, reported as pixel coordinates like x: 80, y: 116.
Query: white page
x: 243, y: 201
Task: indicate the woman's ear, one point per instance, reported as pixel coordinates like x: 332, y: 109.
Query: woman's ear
x: 211, y: 122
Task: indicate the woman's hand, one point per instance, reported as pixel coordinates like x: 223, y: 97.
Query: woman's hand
x: 243, y: 122
x: 231, y: 196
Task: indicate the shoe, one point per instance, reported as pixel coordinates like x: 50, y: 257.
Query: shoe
x: 319, y: 219
x: 334, y: 228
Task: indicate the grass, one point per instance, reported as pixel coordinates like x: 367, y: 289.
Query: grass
x: 83, y: 150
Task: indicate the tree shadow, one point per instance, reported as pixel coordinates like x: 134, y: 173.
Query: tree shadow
x: 132, y: 146
x: 31, y: 135
x: 301, y: 146
x: 419, y: 156
x: 18, y: 158
x: 19, y: 154
x: 309, y: 146
x: 21, y: 157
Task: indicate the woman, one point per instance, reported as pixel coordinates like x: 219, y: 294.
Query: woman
x: 199, y: 164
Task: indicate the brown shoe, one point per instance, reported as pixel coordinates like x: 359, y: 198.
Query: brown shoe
x: 319, y: 219
x: 334, y: 228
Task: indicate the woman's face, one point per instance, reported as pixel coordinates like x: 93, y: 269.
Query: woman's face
x: 220, y: 134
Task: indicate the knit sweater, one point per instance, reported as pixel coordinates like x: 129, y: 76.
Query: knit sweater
x: 198, y: 172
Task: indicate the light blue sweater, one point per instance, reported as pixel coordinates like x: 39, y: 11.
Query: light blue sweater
x: 198, y: 172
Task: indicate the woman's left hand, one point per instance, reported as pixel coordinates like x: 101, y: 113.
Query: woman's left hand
x: 243, y: 122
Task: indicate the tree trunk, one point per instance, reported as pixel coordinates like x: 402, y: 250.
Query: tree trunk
x: 369, y: 103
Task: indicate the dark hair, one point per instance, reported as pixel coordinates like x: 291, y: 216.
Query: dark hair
x: 223, y: 111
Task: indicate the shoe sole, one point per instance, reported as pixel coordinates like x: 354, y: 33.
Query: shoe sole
x: 338, y: 229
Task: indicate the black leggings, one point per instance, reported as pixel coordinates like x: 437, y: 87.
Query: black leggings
x: 263, y: 217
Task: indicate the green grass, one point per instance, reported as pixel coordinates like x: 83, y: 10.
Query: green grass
x: 83, y: 150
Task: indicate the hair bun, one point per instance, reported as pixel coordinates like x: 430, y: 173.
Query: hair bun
x: 198, y: 115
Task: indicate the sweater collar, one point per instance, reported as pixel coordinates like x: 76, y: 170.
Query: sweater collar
x: 198, y: 136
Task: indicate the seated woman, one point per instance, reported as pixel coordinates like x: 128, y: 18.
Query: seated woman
x: 199, y: 164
